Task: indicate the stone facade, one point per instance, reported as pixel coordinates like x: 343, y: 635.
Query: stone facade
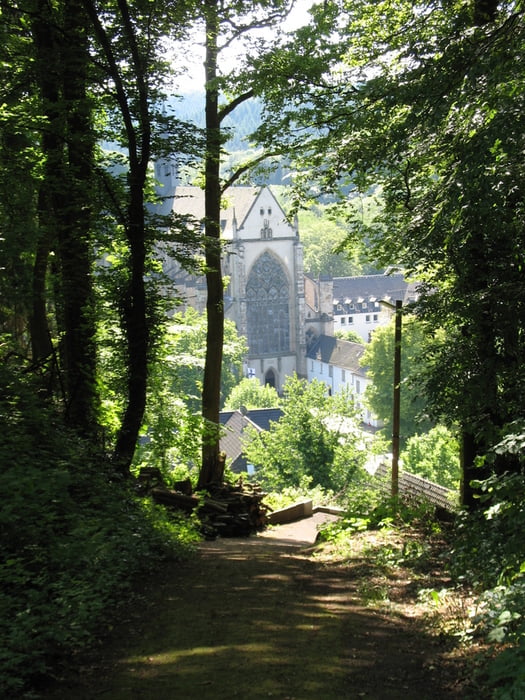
x: 263, y: 263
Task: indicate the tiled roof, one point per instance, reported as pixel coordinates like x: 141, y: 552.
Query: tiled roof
x: 373, y: 288
x: 262, y: 417
x: 238, y: 202
x: 235, y: 422
x: 340, y: 353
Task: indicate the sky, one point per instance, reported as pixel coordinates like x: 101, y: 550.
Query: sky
x: 193, y: 56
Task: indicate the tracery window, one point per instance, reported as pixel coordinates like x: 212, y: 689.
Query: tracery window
x: 268, y: 307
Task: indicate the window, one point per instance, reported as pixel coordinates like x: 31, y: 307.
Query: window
x: 375, y: 317
x: 330, y: 371
x: 343, y: 320
x: 343, y: 375
x: 320, y: 368
x: 368, y: 318
x: 357, y: 386
x: 268, y: 307
x: 266, y: 231
x: 350, y: 319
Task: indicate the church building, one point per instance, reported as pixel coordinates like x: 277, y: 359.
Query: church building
x: 263, y: 268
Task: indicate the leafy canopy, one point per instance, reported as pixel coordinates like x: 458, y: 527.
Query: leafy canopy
x: 251, y: 394
x: 316, y: 442
x: 379, y: 360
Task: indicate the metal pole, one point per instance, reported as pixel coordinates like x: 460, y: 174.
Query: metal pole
x: 396, y: 404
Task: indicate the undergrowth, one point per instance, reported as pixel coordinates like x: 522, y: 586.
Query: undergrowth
x: 73, y: 540
x: 482, y: 602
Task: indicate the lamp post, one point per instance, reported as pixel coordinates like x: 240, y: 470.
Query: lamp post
x: 396, y: 409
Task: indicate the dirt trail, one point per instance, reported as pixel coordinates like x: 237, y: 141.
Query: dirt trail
x: 258, y: 618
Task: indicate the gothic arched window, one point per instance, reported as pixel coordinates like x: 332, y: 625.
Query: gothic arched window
x: 268, y: 307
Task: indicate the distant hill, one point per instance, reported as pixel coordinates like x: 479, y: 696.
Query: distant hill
x: 242, y: 121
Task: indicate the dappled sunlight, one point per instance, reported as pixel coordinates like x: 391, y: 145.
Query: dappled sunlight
x: 258, y: 618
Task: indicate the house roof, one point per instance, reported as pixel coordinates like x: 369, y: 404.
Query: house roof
x: 370, y: 288
x: 238, y: 202
x: 235, y: 423
x: 340, y: 353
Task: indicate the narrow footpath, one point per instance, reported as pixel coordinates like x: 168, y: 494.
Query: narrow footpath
x: 257, y: 617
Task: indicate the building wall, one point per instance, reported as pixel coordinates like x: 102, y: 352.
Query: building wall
x: 338, y: 379
x: 363, y: 323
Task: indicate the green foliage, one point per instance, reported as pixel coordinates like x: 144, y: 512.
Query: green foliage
x: 350, y: 335
x: 435, y: 456
x: 292, y: 494
x: 310, y: 443
x: 187, y: 348
x: 505, y: 675
x: 489, y: 553
x: 73, y: 539
x: 490, y: 549
x: 414, y: 104
x: 251, y: 394
x: 379, y: 360
x: 367, y: 508
x: 321, y: 236
x: 171, y: 436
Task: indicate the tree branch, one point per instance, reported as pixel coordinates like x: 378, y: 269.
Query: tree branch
x: 244, y: 168
x: 228, y: 109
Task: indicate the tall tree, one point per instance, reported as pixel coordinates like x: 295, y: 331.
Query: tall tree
x: 426, y: 103
x: 62, y: 61
x: 211, y: 465
x: 129, y: 51
x: 223, y: 25
x: 19, y: 163
x: 93, y: 71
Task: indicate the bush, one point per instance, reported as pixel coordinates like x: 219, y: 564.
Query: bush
x: 72, y: 538
x: 489, y: 554
x: 434, y: 456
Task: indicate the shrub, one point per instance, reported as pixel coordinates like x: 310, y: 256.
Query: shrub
x: 72, y: 539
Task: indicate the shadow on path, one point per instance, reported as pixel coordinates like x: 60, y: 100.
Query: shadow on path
x: 256, y: 618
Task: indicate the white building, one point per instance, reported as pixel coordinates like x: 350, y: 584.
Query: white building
x: 337, y: 363
x: 353, y: 303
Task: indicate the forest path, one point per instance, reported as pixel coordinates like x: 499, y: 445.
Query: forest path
x: 257, y: 617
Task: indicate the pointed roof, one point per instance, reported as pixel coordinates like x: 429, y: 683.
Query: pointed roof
x: 237, y: 204
x: 235, y: 422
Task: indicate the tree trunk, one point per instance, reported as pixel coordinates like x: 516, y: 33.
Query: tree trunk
x: 64, y: 204
x: 41, y: 345
x: 75, y: 236
x: 135, y: 110
x: 211, y: 469
x: 137, y: 330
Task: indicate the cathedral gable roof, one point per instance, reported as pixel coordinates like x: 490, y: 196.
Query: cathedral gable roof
x: 238, y: 200
x: 239, y: 203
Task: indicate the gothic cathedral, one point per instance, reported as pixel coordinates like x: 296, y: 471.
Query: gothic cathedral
x: 263, y: 268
